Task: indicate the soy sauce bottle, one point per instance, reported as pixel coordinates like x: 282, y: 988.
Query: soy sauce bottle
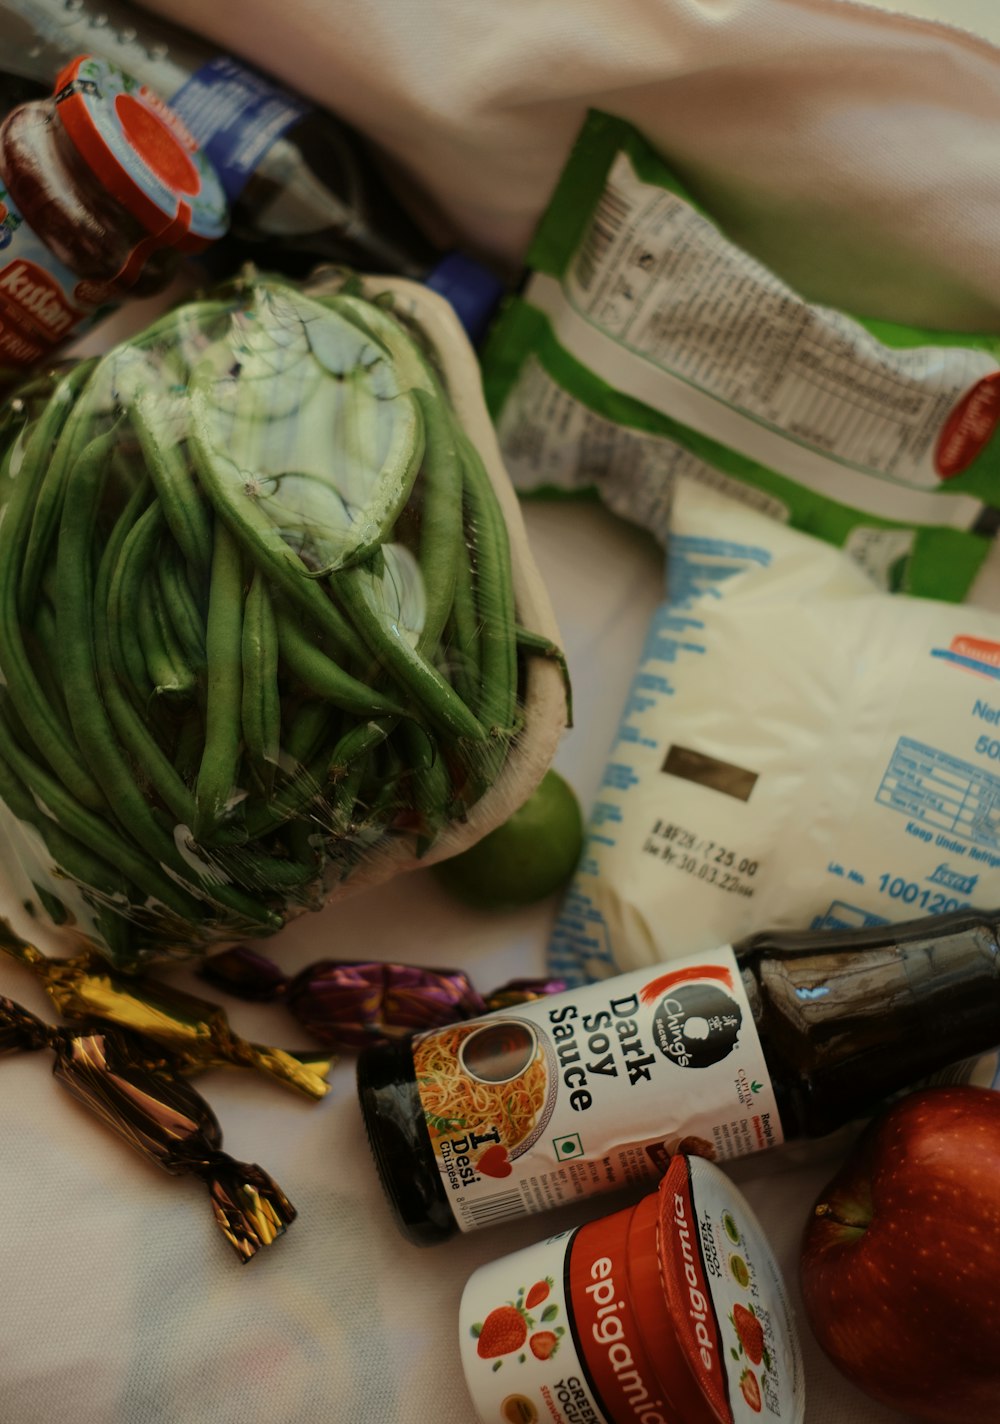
x: 783, y: 1035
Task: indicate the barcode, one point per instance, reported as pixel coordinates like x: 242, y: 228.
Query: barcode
x: 609, y: 219
x: 500, y: 1207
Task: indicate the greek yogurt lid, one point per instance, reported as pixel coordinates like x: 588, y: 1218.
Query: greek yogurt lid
x: 726, y: 1297
x: 142, y: 153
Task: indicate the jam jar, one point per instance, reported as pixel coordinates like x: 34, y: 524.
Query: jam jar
x: 102, y: 192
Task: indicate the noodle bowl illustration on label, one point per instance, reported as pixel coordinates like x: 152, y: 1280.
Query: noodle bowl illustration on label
x: 488, y: 1091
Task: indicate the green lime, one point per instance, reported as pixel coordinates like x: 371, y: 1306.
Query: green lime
x: 530, y: 856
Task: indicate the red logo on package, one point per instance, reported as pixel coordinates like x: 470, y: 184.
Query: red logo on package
x: 36, y: 300
x: 980, y: 650
x: 968, y: 428
x: 622, y: 1374
x: 686, y: 1286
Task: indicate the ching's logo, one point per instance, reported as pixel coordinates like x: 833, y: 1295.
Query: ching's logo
x: 697, y: 1020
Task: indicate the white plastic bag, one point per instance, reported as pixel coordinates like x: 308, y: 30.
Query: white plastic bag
x: 797, y: 748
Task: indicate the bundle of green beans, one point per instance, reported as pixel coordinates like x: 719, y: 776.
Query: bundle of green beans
x: 256, y: 616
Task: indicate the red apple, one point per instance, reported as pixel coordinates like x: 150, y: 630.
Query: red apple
x: 900, y: 1264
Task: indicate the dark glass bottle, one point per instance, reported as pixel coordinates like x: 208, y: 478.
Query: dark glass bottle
x: 304, y: 187
x: 844, y: 1020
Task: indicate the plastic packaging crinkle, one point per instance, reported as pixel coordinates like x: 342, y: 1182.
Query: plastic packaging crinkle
x: 268, y: 628
x: 648, y: 346
x: 798, y: 748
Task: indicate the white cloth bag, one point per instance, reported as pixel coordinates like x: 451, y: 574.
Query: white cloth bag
x: 854, y: 151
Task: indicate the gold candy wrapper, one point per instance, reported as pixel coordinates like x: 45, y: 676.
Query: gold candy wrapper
x: 195, y: 1031
x: 162, y: 1117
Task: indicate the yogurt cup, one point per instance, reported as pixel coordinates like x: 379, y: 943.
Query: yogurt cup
x: 672, y: 1311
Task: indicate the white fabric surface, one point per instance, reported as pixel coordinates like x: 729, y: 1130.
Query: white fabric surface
x: 121, y: 1302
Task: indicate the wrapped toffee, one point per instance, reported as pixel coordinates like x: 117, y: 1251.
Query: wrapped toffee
x: 195, y: 1031
x: 118, y: 1075
x: 351, y: 1003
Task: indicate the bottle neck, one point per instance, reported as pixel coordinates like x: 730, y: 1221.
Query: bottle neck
x: 846, y: 1020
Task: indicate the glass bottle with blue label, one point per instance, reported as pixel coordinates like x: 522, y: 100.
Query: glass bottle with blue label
x: 723, y: 1054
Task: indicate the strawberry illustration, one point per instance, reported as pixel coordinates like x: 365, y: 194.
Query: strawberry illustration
x: 538, y: 1292
x: 503, y: 1331
x: 750, y: 1331
x: 751, y: 1390
x: 543, y: 1344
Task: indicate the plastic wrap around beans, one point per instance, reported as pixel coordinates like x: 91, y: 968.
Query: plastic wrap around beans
x: 269, y: 629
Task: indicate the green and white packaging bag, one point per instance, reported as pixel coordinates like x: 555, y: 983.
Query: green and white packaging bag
x: 647, y: 345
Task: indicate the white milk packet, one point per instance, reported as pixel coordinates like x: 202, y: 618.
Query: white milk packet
x: 798, y: 748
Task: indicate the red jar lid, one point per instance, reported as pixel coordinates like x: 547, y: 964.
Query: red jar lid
x: 142, y: 153
x: 733, y: 1330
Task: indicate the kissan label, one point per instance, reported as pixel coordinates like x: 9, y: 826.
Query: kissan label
x: 39, y: 303
x: 588, y: 1091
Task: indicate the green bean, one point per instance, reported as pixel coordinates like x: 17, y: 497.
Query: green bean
x: 359, y: 743
x: 181, y: 605
x: 264, y: 874
x: 260, y: 707
x: 93, y: 831
x: 494, y: 594
x: 62, y: 429
x: 322, y: 676
x: 338, y: 810
x: 304, y: 845
x: 308, y: 726
x: 168, y: 670
x: 41, y: 644
x: 432, y: 797
x: 464, y: 664
x: 188, y: 749
x: 308, y: 783
x: 70, y: 856
x: 435, y: 697
x: 26, y: 694
x: 441, y: 534
x: 217, y: 773
x: 91, y: 726
x: 168, y: 470
x: 135, y: 555
x: 132, y: 728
